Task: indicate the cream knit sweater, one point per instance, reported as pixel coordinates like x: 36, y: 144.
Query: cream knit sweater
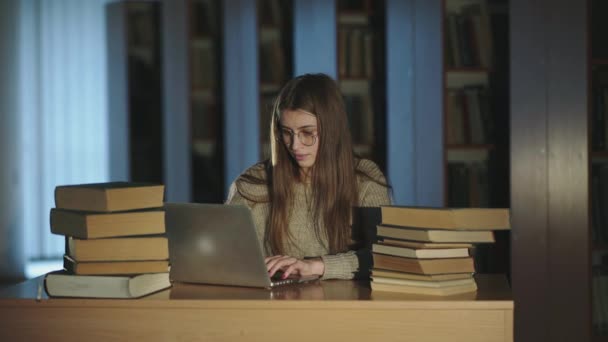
x: 305, y: 243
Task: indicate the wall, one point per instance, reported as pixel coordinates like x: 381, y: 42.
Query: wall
x: 11, y: 242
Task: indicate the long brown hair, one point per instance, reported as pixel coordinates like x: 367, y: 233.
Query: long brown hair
x: 332, y: 177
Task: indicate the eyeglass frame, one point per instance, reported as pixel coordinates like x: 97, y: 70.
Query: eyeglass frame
x: 293, y: 134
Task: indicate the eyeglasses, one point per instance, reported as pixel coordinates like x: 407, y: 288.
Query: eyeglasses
x: 307, y: 138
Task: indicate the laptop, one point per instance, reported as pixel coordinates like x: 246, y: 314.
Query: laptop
x: 217, y: 244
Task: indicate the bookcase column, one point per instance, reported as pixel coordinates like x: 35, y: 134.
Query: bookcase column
x: 176, y: 123
x: 12, y: 256
x: 118, y: 93
x: 315, y: 37
x: 414, y: 122
x: 241, y: 88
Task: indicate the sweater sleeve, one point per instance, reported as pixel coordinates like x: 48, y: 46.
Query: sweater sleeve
x: 372, y: 194
x: 245, y: 193
x: 340, y: 266
x: 234, y: 197
x: 374, y: 191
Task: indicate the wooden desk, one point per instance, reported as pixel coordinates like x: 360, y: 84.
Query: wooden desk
x: 323, y: 311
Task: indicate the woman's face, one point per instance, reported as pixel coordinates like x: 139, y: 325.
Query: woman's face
x: 298, y: 130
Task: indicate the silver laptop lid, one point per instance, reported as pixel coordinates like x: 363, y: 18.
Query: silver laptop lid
x: 214, y: 244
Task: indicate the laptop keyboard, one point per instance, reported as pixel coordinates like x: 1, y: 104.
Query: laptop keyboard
x: 283, y: 282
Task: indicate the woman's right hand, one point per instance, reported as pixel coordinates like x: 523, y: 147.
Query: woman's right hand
x: 293, y: 266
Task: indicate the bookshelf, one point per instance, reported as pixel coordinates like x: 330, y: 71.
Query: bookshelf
x: 361, y: 77
x: 598, y: 110
x: 469, y: 123
x: 275, y: 31
x: 550, y: 190
x: 134, y: 65
x: 476, y: 115
x: 205, y: 100
x: 145, y: 67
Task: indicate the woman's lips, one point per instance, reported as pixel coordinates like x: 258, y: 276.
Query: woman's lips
x: 300, y: 157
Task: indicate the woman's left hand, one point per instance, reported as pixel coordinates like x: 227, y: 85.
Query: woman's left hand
x: 291, y: 265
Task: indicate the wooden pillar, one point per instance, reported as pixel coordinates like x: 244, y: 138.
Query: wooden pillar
x: 549, y: 170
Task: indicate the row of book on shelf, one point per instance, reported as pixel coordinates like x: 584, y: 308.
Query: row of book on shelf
x: 355, y: 52
x: 599, y: 134
x: 468, y: 184
x: 600, y: 297
x: 204, y: 46
x: 206, y: 122
x: 427, y: 250
x: 271, y: 12
x: 360, y: 117
x: 203, y: 63
x: 116, y: 245
x: 273, y: 52
x: 599, y: 201
x: 205, y: 18
x: 468, y: 36
x: 273, y: 67
x: 468, y: 116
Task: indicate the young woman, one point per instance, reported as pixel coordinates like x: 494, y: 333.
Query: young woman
x: 301, y: 199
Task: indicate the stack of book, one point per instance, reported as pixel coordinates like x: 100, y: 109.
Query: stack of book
x: 115, y: 240
x: 427, y: 250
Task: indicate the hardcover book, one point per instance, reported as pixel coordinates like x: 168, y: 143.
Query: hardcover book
x: 61, y: 284
x: 431, y: 253
x: 114, y: 267
x: 88, y: 225
x: 422, y: 244
x: 376, y: 272
x: 447, y: 218
x: 118, y: 249
x: 423, y: 266
x: 436, y: 235
x: 432, y: 291
x: 109, y: 197
x: 424, y: 283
